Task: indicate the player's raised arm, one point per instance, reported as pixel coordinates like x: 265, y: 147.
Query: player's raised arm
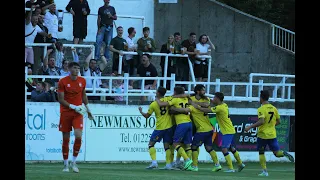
x: 146, y: 115
x: 203, y: 104
x: 203, y: 109
x: 161, y: 103
x: 181, y: 96
x: 180, y: 110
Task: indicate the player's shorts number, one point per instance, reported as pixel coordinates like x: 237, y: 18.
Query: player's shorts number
x: 163, y: 110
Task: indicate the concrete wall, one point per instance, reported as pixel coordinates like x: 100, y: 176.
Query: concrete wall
x: 243, y: 43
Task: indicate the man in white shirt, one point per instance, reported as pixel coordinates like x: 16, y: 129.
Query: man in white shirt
x: 129, y: 63
x: 51, y: 22
x: 201, y: 64
x: 31, y: 31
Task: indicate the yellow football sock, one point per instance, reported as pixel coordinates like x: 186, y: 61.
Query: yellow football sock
x: 263, y: 161
x: 189, y: 152
x: 168, y: 156
x: 182, y: 153
x: 198, y: 150
x: 214, y: 156
x: 195, y: 156
x: 172, y: 153
x: 228, y: 160
x: 152, y: 152
x: 279, y: 154
x: 237, y: 157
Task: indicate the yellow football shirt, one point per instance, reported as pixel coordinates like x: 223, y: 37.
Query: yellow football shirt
x: 201, y: 120
x: 163, y: 117
x: 270, y: 114
x: 223, y: 119
x: 180, y: 103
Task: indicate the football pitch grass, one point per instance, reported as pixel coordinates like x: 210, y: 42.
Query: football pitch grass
x: 102, y: 171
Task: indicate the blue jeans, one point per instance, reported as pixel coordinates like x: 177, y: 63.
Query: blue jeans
x: 105, y: 35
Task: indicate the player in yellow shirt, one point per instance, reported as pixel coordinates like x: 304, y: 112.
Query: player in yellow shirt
x: 204, y: 129
x: 227, y: 130
x: 164, y: 128
x: 269, y: 118
x: 183, y: 131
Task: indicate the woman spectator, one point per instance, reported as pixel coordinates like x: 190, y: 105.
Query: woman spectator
x: 201, y: 64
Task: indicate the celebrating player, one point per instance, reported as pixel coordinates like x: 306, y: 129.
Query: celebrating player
x: 227, y: 129
x: 269, y: 118
x: 204, y: 130
x: 183, y: 132
x: 71, y: 94
x: 163, y: 130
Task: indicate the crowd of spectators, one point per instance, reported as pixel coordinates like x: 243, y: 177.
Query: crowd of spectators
x: 42, y: 26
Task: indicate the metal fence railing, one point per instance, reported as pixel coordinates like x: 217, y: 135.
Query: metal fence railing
x: 283, y: 38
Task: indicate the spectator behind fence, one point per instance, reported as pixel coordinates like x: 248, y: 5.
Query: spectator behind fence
x: 117, y: 47
x: 41, y: 93
x: 91, y: 69
x: 106, y: 15
x: 147, y: 69
x: 37, y: 3
x: 80, y: 10
x: 146, y: 43
x: 201, y: 64
x: 50, y: 69
x: 130, y: 61
x: 64, y: 71
x: 183, y: 69
x: 168, y: 47
x: 31, y: 30
x: 51, y: 22
x: 59, y: 53
x: 40, y: 38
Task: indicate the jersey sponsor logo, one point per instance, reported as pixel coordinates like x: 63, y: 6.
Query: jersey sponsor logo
x: 68, y: 85
x: 80, y: 84
x: 148, y: 73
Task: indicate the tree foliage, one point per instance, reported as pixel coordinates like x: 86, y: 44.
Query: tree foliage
x: 279, y: 12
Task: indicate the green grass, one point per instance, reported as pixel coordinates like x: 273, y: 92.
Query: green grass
x: 48, y: 171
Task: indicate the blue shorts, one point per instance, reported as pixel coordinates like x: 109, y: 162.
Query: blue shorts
x: 227, y: 140
x: 272, y: 143
x: 183, y: 133
x: 202, y: 138
x: 165, y: 134
x: 174, y: 127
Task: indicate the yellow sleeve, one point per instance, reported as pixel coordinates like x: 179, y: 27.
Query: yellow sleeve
x: 215, y: 109
x: 277, y: 114
x: 151, y: 108
x: 260, y: 113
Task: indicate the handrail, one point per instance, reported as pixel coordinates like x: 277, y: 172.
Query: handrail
x: 97, y: 91
x: 276, y: 85
x: 283, y: 38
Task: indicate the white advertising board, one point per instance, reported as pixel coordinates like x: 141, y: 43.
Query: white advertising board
x: 118, y: 133
x: 43, y: 140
